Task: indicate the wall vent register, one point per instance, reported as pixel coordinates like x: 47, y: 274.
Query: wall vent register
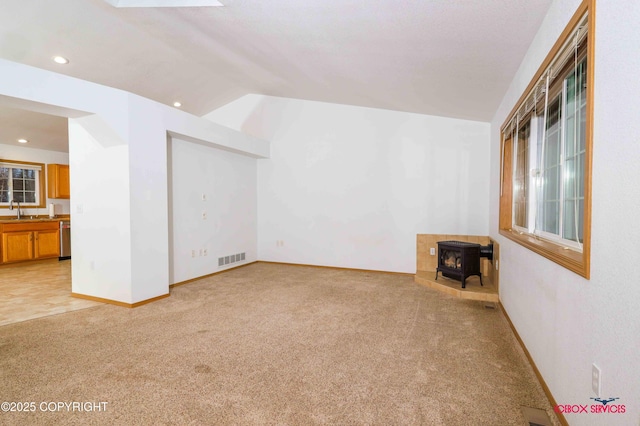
x: 226, y: 260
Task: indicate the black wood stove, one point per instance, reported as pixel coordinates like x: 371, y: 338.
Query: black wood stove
x: 459, y: 260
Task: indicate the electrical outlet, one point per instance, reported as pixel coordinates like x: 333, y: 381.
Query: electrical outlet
x: 432, y: 251
x: 596, y: 379
x: 204, y: 197
x: 204, y: 215
x: 205, y: 252
x: 193, y: 253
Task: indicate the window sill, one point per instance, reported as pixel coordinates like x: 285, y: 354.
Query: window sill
x: 573, y: 260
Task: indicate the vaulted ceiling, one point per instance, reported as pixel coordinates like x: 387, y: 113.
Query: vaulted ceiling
x: 451, y: 58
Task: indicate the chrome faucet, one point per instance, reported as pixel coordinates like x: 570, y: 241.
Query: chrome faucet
x: 11, y: 208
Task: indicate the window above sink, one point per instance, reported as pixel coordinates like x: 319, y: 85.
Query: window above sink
x: 23, y: 182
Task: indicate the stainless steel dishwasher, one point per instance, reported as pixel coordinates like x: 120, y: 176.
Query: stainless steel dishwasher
x: 65, y: 240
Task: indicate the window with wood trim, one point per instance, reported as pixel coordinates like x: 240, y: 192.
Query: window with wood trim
x: 546, y: 152
x: 21, y: 182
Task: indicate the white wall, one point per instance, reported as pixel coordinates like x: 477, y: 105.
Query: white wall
x: 20, y: 153
x: 101, y: 230
x: 228, y: 182
x: 568, y: 322
x: 119, y: 179
x: 351, y: 187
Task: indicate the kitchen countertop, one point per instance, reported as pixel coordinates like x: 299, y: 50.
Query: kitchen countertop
x: 30, y: 219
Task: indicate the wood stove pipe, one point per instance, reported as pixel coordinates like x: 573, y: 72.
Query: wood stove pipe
x: 487, y: 251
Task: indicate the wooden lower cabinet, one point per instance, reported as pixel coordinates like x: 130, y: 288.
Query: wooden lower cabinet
x: 42, y: 241
x: 17, y: 246
x: 46, y: 244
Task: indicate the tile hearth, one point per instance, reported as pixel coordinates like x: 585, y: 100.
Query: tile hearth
x: 473, y: 290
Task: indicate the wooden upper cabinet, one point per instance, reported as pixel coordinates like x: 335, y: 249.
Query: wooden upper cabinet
x: 58, y: 181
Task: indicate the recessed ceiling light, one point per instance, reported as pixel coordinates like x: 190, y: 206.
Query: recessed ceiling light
x: 177, y: 104
x: 60, y: 60
x: 23, y: 140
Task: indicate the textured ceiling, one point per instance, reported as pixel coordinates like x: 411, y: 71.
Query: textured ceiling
x: 451, y: 58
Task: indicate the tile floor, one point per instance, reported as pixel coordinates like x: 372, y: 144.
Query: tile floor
x: 37, y: 289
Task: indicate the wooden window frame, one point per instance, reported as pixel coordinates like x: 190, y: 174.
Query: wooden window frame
x: 42, y: 198
x: 578, y: 262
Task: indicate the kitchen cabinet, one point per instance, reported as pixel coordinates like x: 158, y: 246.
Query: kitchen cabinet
x: 46, y: 243
x: 58, y: 181
x: 30, y: 241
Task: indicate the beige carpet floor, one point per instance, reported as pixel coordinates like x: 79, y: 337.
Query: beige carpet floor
x: 278, y: 345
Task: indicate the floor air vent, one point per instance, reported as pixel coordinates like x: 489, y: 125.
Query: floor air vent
x: 233, y: 258
x: 535, y: 417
